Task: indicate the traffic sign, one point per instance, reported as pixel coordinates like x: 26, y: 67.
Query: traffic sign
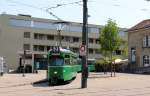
x: 82, y: 50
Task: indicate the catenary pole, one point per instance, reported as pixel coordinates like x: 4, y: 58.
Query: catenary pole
x: 84, y: 43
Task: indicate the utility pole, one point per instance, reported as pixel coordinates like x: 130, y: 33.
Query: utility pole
x: 84, y: 43
x: 60, y: 26
x: 59, y: 38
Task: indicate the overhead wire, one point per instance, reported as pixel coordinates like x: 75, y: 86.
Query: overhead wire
x: 47, y: 9
x: 64, y: 4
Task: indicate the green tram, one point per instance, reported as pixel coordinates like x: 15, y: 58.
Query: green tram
x: 91, y: 65
x: 62, y: 65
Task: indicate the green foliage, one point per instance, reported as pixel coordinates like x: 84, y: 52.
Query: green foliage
x: 103, y: 61
x: 125, y: 49
x: 109, y: 39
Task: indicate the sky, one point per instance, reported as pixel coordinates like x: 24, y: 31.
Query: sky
x: 126, y: 13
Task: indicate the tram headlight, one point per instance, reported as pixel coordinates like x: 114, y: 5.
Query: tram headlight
x: 55, y: 72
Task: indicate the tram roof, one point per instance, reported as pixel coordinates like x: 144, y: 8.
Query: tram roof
x: 66, y: 50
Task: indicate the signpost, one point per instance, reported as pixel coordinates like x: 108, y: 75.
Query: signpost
x: 82, y: 50
x: 84, y: 46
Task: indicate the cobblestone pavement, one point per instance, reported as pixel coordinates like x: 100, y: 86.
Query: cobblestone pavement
x: 98, y: 85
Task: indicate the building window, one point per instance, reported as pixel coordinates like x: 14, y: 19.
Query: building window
x: 75, y: 39
x: 26, y: 34
x: 97, y: 41
x: 146, y: 41
x: 74, y: 28
x: 35, y: 47
x: 62, y: 38
x: 67, y: 38
x: 146, y: 60
x: 90, y: 40
x: 26, y: 46
x: 50, y: 37
x: 118, y: 52
x: 35, y: 36
x: 41, y: 48
x: 76, y: 50
x: 97, y: 51
x: 20, y: 23
x: 90, y: 51
x: 133, y: 55
x: 39, y: 36
x: 93, y: 29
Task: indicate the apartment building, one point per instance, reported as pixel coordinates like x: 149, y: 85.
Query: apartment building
x: 37, y: 36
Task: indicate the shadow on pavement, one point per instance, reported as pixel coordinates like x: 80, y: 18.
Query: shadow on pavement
x: 44, y: 83
x: 93, y: 77
x: 68, y: 89
x: 98, y: 73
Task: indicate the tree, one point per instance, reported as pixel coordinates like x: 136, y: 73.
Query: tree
x: 125, y: 49
x: 109, y: 40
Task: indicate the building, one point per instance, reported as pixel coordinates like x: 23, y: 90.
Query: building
x: 139, y: 47
x: 37, y: 36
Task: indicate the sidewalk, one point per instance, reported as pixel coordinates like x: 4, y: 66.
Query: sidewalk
x: 98, y: 85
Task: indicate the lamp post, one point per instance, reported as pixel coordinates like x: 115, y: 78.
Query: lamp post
x: 60, y: 27
x: 24, y: 57
x: 84, y: 43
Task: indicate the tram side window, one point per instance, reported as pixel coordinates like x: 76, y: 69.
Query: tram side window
x: 67, y: 60
x: 74, y: 61
x: 67, y: 56
x: 79, y: 61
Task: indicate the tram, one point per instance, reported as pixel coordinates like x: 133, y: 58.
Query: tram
x: 91, y: 65
x: 62, y: 65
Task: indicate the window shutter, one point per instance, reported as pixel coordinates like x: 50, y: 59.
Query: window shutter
x: 144, y: 41
x: 148, y: 41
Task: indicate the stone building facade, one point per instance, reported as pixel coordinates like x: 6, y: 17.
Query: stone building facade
x: 139, y: 47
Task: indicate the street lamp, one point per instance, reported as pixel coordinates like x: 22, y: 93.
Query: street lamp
x: 60, y: 27
x: 24, y: 58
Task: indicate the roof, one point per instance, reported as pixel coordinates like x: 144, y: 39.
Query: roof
x: 65, y: 50
x: 141, y: 25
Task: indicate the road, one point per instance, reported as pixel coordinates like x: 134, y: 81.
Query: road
x: 98, y: 85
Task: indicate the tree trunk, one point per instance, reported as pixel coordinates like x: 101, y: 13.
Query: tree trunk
x: 114, y: 69
x: 111, y: 63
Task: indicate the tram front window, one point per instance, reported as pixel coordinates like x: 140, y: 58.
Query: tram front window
x: 56, y: 61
